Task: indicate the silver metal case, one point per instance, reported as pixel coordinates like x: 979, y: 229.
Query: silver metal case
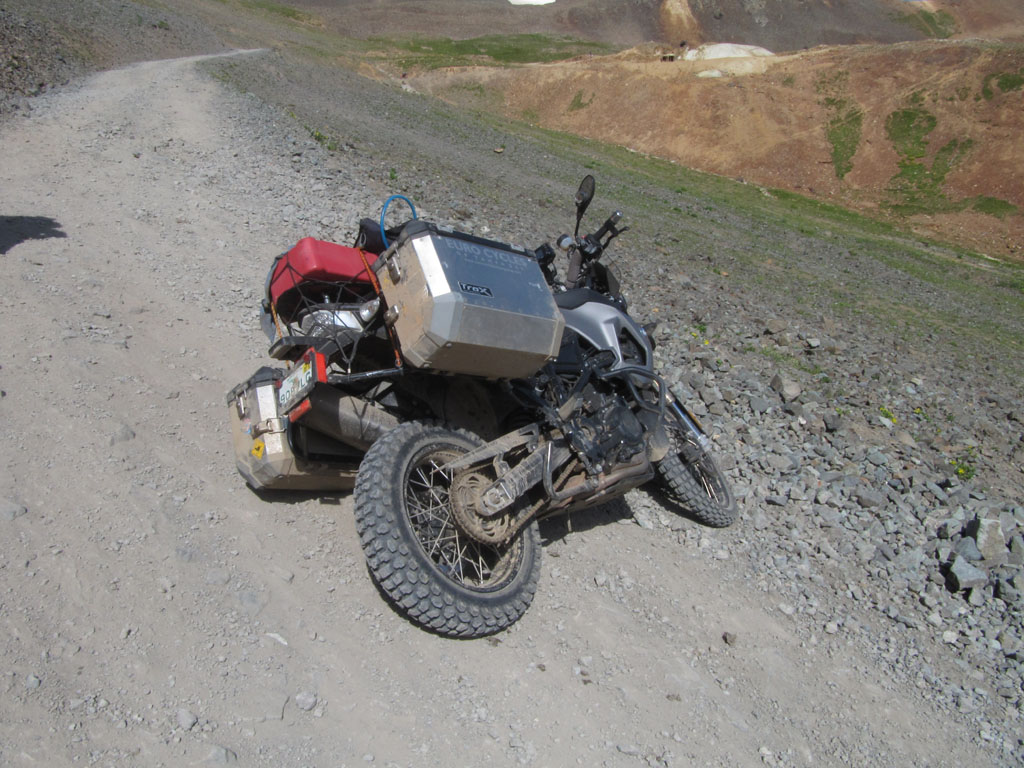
x: 462, y: 304
x: 263, y: 454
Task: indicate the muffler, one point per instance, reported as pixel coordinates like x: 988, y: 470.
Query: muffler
x: 347, y: 419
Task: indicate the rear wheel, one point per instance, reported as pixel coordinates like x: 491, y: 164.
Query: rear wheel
x: 692, y: 478
x: 442, y: 578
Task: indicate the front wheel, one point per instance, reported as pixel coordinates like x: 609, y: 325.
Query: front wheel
x: 692, y: 478
x: 442, y: 578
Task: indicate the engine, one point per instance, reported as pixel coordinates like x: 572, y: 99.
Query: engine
x: 605, y: 431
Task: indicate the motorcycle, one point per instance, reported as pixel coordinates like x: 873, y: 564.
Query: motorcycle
x: 466, y: 392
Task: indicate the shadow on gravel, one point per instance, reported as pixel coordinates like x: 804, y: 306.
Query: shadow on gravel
x: 326, y: 498
x: 557, y: 528
x: 18, y: 229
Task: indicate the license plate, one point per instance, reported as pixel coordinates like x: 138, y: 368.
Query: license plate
x: 305, y: 374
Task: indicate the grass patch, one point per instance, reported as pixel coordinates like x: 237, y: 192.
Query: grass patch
x: 1014, y: 283
x: 789, y: 361
x: 491, y: 50
x: 917, y: 186
x: 993, y: 206
x: 276, y: 9
x: 940, y: 24
x: 578, y: 103
x: 1005, y: 82
x: 845, y: 118
x: 323, y: 139
x: 843, y: 133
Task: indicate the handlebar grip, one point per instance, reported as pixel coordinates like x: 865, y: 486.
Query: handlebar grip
x: 572, y: 275
x: 609, y: 225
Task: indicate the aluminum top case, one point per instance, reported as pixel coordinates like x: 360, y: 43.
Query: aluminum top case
x: 462, y: 304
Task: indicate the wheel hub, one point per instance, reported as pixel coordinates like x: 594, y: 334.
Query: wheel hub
x: 466, y: 500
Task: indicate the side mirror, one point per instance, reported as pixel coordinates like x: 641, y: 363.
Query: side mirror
x: 583, y: 197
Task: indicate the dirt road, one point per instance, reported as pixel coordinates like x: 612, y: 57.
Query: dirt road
x: 154, y: 611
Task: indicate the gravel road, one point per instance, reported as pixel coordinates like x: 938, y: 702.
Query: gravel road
x: 864, y: 611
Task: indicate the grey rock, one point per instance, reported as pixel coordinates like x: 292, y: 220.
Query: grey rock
x: 964, y: 575
x: 877, y: 458
x: 219, y: 755
x: 869, y: 498
x: 828, y: 516
x: 186, y: 719
x: 9, y: 510
x: 759, y: 404
x: 252, y: 602
x: 988, y: 534
x: 787, y: 390
x: 793, y: 409
x: 123, y: 434
x: 217, y: 577
x: 782, y: 463
x: 1008, y: 593
x: 643, y: 517
x: 1016, y: 555
x: 710, y: 395
x: 1009, y: 642
x: 968, y: 548
x: 305, y: 700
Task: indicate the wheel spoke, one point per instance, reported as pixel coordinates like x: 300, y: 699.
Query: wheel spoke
x: 461, y: 558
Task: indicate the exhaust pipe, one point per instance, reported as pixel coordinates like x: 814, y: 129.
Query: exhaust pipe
x: 347, y: 419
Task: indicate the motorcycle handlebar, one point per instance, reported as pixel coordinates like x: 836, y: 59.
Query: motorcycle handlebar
x: 608, y: 226
x: 590, y: 247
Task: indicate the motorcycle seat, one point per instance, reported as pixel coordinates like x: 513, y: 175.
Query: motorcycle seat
x: 575, y: 298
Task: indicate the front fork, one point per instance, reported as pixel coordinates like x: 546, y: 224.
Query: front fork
x: 700, y: 444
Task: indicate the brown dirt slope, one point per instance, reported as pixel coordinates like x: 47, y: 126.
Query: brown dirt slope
x: 938, y: 123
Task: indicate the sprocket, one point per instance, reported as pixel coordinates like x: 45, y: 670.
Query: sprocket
x: 465, y: 496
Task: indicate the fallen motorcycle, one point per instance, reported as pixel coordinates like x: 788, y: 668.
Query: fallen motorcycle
x: 466, y: 392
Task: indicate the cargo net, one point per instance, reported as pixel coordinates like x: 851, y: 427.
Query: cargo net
x: 323, y: 309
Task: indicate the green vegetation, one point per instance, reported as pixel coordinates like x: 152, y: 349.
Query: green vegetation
x: 843, y: 132
x: 578, y: 102
x: 993, y: 206
x: 277, y: 9
x: 322, y: 139
x: 1016, y: 283
x: 964, y: 465
x: 493, y: 50
x: 790, y: 362
x: 1005, y: 82
x: 917, y: 186
x: 845, y: 118
x: 939, y: 25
